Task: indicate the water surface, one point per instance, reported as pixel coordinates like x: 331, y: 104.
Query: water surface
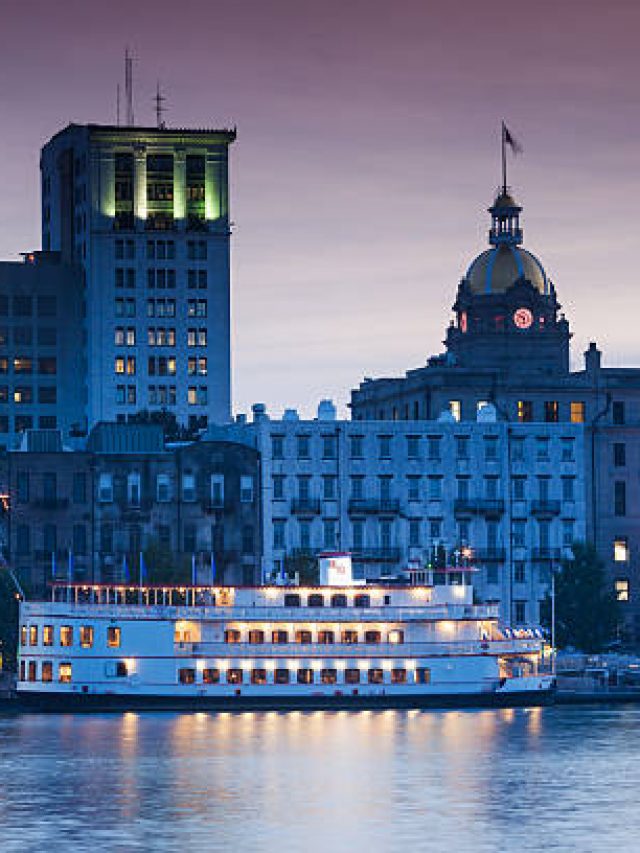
x: 558, y: 779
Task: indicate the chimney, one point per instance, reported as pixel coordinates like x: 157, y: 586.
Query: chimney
x: 259, y: 412
x: 592, y: 359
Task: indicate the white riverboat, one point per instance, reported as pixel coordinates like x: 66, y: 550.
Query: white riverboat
x: 275, y: 647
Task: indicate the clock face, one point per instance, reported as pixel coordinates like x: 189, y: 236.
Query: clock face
x: 463, y: 321
x: 522, y: 318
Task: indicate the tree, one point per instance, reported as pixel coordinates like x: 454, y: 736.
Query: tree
x: 586, y: 611
x: 306, y: 565
x: 163, y: 566
x: 8, y: 620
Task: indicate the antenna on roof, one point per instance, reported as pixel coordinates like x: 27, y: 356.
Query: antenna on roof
x: 160, y: 109
x: 118, y: 105
x: 128, y: 86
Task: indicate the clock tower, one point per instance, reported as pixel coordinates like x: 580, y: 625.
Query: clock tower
x: 506, y: 312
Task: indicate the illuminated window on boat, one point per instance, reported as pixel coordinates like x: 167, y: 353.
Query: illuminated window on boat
x: 47, y: 671
x: 258, y: 676
x: 186, y: 675
x: 47, y: 635
x: 122, y: 670
x: 315, y: 600
x: 620, y: 550
x: 22, y: 670
x: 338, y: 600
x: 349, y: 636
x: 23, y: 635
x: 281, y: 676
x: 622, y: 589
x: 396, y: 636
x: 86, y: 636
x: 256, y: 637
x: 303, y: 636
x: 352, y: 676
x: 234, y: 676
x: 31, y: 670
x: 211, y: 676
x: 113, y: 637
x: 372, y: 636
x: 64, y: 673
x: 361, y: 601
x: 326, y: 637
x: 375, y: 676
x: 305, y: 676
x: 423, y: 675
x: 66, y: 635
x: 279, y: 637
x: 232, y: 635
x: 329, y: 676
x: 33, y: 635
x: 398, y: 676
x: 292, y: 600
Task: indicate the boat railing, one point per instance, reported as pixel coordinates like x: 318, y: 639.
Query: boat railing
x: 364, y: 651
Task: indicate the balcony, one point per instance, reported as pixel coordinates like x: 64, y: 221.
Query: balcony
x: 478, y: 506
x: 545, y: 508
x: 376, y: 555
x: 373, y: 506
x: 544, y: 555
x: 490, y: 555
x: 305, y: 506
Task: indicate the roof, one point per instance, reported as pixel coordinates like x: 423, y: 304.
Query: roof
x: 497, y: 269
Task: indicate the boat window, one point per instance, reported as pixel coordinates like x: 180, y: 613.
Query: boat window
x: 122, y: 669
x: 86, y: 636
x: 211, y: 676
x: 64, y: 673
x: 372, y: 636
x: 279, y: 637
x: 352, y: 676
x: 396, y: 636
x: 281, y: 676
x: 258, y: 676
x: 292, y: 600
x: 23, y: 635
x: 47, y: 635
x: 33, y: 635
x: 349, y: 636
x: 338, y: 600
x: 328, y: 676
x: 66, y: 635
x: 256, y: 637
x: 315, y: 600
x: 22, y: 670
x: 31, y: 669
x: 398, y: 676
x: 232, y: 635
x: 47, y: 671
x: 376, y: 676
x: 234, y: 676
x: 423, y: 675
x: 326, y: 637
x: 113, y: 637
x: 305, y: 676
x: 186, y: 675
x: 303, y: 636
x: 361, y: 601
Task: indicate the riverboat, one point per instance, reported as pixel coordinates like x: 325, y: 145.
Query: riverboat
x: 382, y: 645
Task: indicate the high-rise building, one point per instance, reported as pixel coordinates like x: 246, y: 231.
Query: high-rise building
x: 144, y: 212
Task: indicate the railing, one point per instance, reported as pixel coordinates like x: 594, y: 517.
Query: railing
x: 374, y: 505
x: 478, y: 506
x: 305, y: 506
x: 545, y: 507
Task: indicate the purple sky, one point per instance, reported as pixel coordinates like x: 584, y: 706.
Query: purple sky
x: 367, y: 153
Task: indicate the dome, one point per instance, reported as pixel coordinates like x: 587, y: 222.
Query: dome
x: 497, y: 269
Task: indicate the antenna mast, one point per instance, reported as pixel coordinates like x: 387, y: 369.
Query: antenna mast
x: 118, y: 105
x: 128, y: 86
x: 160, y: 109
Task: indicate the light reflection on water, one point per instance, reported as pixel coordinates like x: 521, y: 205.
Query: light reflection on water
x: 554, y: 779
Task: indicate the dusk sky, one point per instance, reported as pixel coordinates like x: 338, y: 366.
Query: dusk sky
x: 367, y: 154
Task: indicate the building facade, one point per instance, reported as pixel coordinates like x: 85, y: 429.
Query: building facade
x: 508, y: 344
x: 391, y: 492
x: 144, y: 212
x: 41, y: 347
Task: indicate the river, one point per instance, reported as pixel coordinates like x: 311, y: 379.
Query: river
x: 554, y: 779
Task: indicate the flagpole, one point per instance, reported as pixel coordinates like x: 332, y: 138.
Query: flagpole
x: 504, y: 159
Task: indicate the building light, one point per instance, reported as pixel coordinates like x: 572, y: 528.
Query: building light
x: 620, y: 550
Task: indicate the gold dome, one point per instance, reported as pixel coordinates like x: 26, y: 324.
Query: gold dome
x: 499, y: 268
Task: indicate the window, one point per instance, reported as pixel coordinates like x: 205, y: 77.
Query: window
x: 362, y: 601
x: 619, y: 498
x: 357, y: 488
x: 186, y: 675
x: 79, y: 487
x: 86, y: 636
x: 303, y: 446
x: 281, y: 676
x: 542, y: 447
x: 326, y: 638
x: 277, y: 446
x: 349, y: 637
x: 279, y: 637
x: 329, y: 533
x: 113, y: 637
x: 291, y: 599
x: 519, y: 488
x: 328, y: 447
x: 217, y: 490
x: 33, y: 635
x: 210, y: 676
x: 619, y: 454
x: 525, y: 411
x: 455, y: 407
x: 163, y: 488
x: 47, y: 671
x: 398, y: 676
x: 414, y: 533
x: 256, y: 637
x: 328, y: 676
x: 258, y: 676
x: 567, y: 449
x: 232, y: 635
x: 567, y: 533
x: 433, y: 448
x: 520, y: 612
x: 618, y: 413
x: 577, y: 412
x: 413, y: 446
x: 621, y: 550
x: 22, y: 364
x: 462, y: 447
x: 188, y: 487
x: 356, y: 445
x: 519, y: 572
x: 64, y: 673
x: 105, y: 488
x: 551, y: 411
x: 413, y: 488
x: 372, y: 636
x: 79, y: 538
x: 423, y: 675
x: 491, y: 447
x: 622, y: 589
x: 66, y: 635
x: 315, y: 600
x: 47, y: 635
x: 435, y: 488
x: 133, y: 488
x: 278, y: 533
x: 519, y: 532
x: 352, y: 676
x: 234, y: 676
x: 246, y: 489
x: 278, y: 487
x: 375, y: 676
x: 305, y: 676
x: 568, y: 488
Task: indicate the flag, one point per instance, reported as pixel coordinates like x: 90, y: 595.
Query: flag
x: 70, y: 567
x: 193, y: 570
x: 510, y: 140
x: 53, y: 565
x: 143, y: 569
x: 213, y: 568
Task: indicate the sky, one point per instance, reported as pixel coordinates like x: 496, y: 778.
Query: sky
x: 367, y: 154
